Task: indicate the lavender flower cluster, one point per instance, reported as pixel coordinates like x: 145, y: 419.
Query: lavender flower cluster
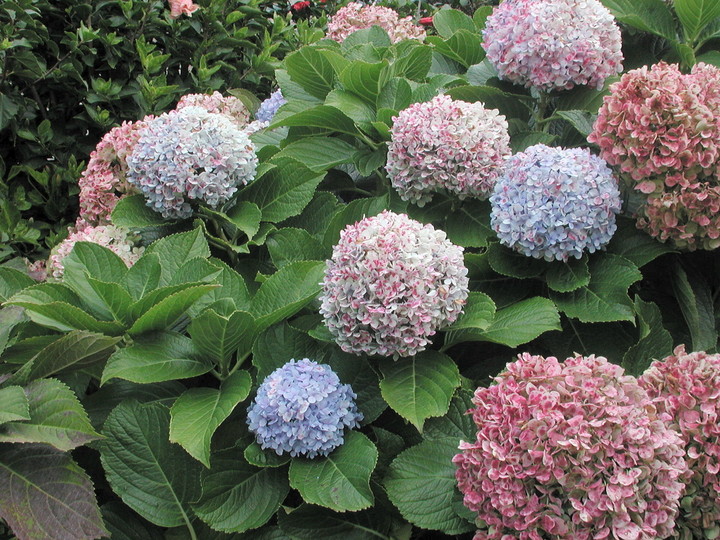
x: 555, y: 203
x: 446, y: 145
x: 190, y: 154
x: 302, y: 409
x: 270, y: 106
x: 391, y: 284
x: 553, y: 44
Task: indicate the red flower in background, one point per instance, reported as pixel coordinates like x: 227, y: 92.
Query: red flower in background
x: 426, y: 21
x: 299, y: 6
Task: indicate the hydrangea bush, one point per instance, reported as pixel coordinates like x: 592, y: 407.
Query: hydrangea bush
x: 555, y: 203
x: 446, y: 145
x: 356, y: 16
x: 572, y: 450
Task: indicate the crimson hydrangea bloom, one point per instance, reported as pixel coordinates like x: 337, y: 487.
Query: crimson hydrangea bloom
x: 189, y: 154
x: 391, y: 284
x: 553, y: 44
x: 686, y: 386
x: 230, y: 106
x: 356, y: 16
x: 104, y: 180
x: 302, y: 409
x: 570, y: 451
x: 555, y: 203
x: 446, y: 145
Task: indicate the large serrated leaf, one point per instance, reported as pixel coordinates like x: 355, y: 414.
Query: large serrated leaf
x: 151, y: 475
x: 365, y: 79
x: 414, y: 64
x: 463, y: 46
x: 13, y: 281
x: 448, y: 21
x: 292, y: 245
x: 44, y: 495
x: 695, y: 299
x: 133, y: 212
x: 88, y: 259
x: 56, y: 418
x: 309, y: 68
x: 420, y: 386
x: 219, y: 337
x: 156, y: 357
x: 654, y: 341
x: 175, y: 250
x: 695, y: 15
x: 13, y: 404
x: 456, y: 423
x: 66, y: 317
x: 340, y: 481
x: 278, y: 345
x: 351, y: 214
x: 310, y: 522
x: 469, y: 226
x: 568, y: 276
x: 605, y: 297
x: 236, y: 496
x: 124, y: 524
x: 362, y: 378
x: 143, y: 276
x: 479, y: 312
x: 318, y: 153
x: 421, y: 483
x: 164, y: 314
x: 652, y: 16
x: 322, y: 116
x: 199, y: 412
x: 636, y: 246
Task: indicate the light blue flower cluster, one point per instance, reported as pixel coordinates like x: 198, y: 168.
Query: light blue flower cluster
x: 302, y: 408
x: 269, y: 107
x: 555, y: 203
x: 188, y: 154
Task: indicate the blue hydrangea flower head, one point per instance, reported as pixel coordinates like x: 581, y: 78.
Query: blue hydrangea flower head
x: 269, y: 107
x: 188, y: 154
x: 555, y: 203
x: 302, y: 409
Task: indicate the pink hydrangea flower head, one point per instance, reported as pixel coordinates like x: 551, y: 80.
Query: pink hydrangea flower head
x: 182, y: 7
x: 570, y: 451
x: 446, y: 145
x: 356, y: 16
x: 555, y: 203
x: 391, y: 284
x: 117, y: 239
x: 190, y: 154
x: 230, y: 106
x: 104, y: 180
x: 686, y: 387
x: 553, y: 44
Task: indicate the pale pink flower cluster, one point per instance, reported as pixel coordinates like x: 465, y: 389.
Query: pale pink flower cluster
x: 391, y: 284
x: 180, y: 7
x: 446, y: 145
x: 356, y: 16
x: 104, y: 181
x: 570, y: 451
x: 116, y: 239
x: 662, y: 129
x: 230, y: 106
x: 553, y: 44
x: 686, y: 386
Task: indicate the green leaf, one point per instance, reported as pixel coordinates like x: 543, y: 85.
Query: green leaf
x: 175, y: 250
x: 13, y: 404
x: 365, y: 79
x: 352, y: 213
x: 421, y: 484
x: 284, y: 190
x: 463, y: 46
x: 56, y: 418
x: 360, y: 375
x: 292, y: 245
x: 353, y: 106
x: 132, y: 212
x: 236, y: 496
x: 414, y: 64
x: 449, y: 21
x: 568, y: 276
x: 13, y: 281
x: 654, y: 341
x: 695, y: 15
x: 605, y: 298
x: 525, y: 139
x: 113, y: 301
x: 151, y: 475
x: 156, y: 357
x: 124, y: 524
x: 317, y: 214
x: 143, y: 276
x: 695, y: 298
x: 164, y: 314
x: 318, y: 153
x: 8, y: 110
x: 509, y: 105
x: 45, y: 495
x: 63, y: 316
x: 197, y: 270
x: 374, y: 35
x: 310, y: 69
x: 582, y: 121
x: 479, y: 312
x: 480, y: 16
x: 396, y: 95
x: 199, y: 412
x: 278, y: 345
x: 636, y: 246
x: 652, y: 16
x: 255, y: 455
x: 456, y: 423
x: 322, y: 116
x: 420, y: 386
x: 286, y: 292
x: 469, y: 226
x: 510, y: 263
x: 340, y: 481
x: 309, y: 522
x: 218, y: 337
x: 73, y: 351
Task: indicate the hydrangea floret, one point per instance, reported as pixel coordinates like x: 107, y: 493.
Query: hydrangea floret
x: 686, y: 386
x: 117, y: 239
x: 302, y: 409
x: 553, y: 44
x: 446, y: 145
x: 356, y: 16
x: 391, y: 284
x: 570, y: 451
x: 104, y: 181
x: 190, y: 154
x: 270, y: 106
x: 661, y: 128
x: 230, y: 106
x: 555, y: 203
x: 182, y: 7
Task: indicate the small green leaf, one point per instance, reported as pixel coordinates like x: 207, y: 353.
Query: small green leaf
x: 176, y: 249
x: 479, y: 312
x: 255, y: 455
x: 13, y: 404
x: 654, y: 341
x: 463, y: 46
x: 568, y: 276
x: 695, y: 298
x: 582, y: 121
x: 132, y: 212
x: 420, y: 386
x: 199, y: 412
x: 340, y: 481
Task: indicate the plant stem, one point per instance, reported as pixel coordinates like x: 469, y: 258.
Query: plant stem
x: 542, y: 106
